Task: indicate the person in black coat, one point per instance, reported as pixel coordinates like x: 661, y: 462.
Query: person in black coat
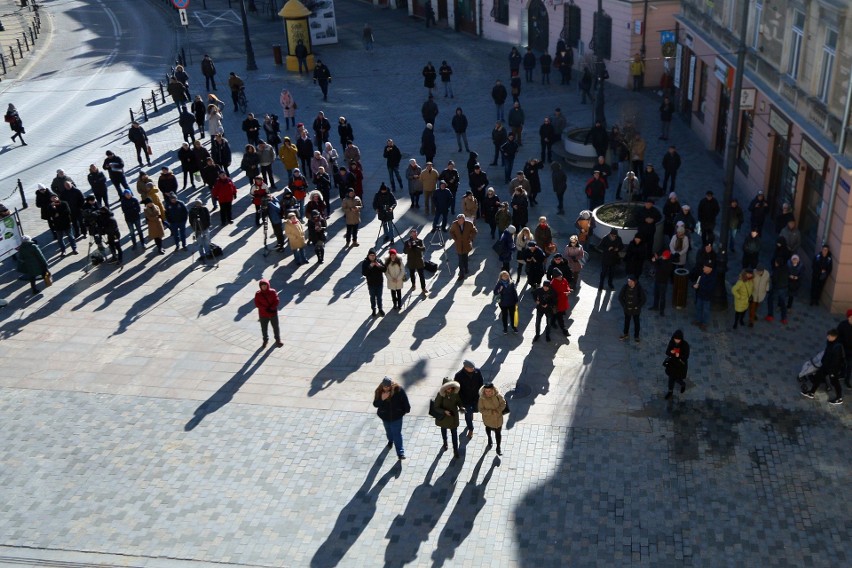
x: 531, y: 169
x: 71, y: 195
x: 427, y: 143
x: 384, y: 203
x: 759, y: 209
x: 546, y: 61
x: 547, y: 135
x: 671, y: 164
x: 499, y: 94
x: 98, y: 183
x: 392, y: 404
x: 373, y: 269
x: 470, y: 381
x: 132, y: 212
x: 322, y: 77
x: 599, y: 138
x: 60, y: 220
x: 429, y: 110
x: 187, y: 125
x: 632, y: 298
x: 677, y: 362
x: 429, y: 75
x: 610, y: 247
x: 114, y: 166
x: 545, y: 304
x: 529, y: 64
x: 43, y: 197
x: 560, y: 185
x: 536, y: 260
x: 137, y: 135
x: 635, y: 256
x: 662, y: 276
x: 650, y: 182
x: 832, y: 367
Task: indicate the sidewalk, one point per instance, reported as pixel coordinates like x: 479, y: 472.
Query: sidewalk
x: 23, y: 33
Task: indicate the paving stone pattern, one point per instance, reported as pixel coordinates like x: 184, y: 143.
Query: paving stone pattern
x: 142, y: 423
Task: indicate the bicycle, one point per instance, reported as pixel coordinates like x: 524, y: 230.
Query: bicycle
x: 242, y: 100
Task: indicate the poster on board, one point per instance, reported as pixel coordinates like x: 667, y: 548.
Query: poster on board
x: 10, y: 236
x: 322, y: 22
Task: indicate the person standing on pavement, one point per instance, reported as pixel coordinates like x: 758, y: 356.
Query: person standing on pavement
x: 446, y: 73
x: 288, y: 108
x: 667, y: 110
x: 395, y: 274
x: 760, y: 289
x: 677, y: 362
x: 547, y: 135
x: 177, y: 216
x: 373, y: 269
x: 450, y: 176
x: 392, y: 405
x: 820, y: 271
x: 596, y: 190
x: 463, y: 232
x: 352, y: 214
x: 154, y: 220
x: 529, y: 64
x: 662, y: 264
x: 778, y: 288
x: 632, y: 298
x: 507, y: 298
x: 428, y: 181
x: 562, y: 289
x: 492, y: 405
x: 208, y: 69
x: 637, y: 71
x: 704, y: 287
x: 137, y: 136
x: 611, y: 247
x: 795, y: 275
x: 393, y: 157
x: 31, y: 262
x: 671, y: 164
x: 179, y: 95
x: 132, y: 211
x: 508, y: 151
x: 708, y: 211
x: 199, y: 220
x: 13, y: 119
x: 98, y: 184
x: 564, y: 62
x: 235, y: 83
x: 59, y: 219
x: 415, y: 185
x: 301, y: 53
x: 266, y: 300
x: 367, y: 37
x: 516, y: 122
x: 214, y: 121
x: 199, y: 115
x: 383, y: 204
x: 413, y: 250
x: 445, y: 407
x: 759, y: 209
x: 114, y: 165
x: 459, y: 124
x: 225, y: 192
x: 742, y: 292
x: 428, y: 146
x: 831, y: 368
x: 498, y: 138
x: 499, y: 96
x: 470, y: 380
x: 546, y: 61
x: 322, y: 77
x: 489, y: 206
x: 429, y: 76
x: 545, y: 301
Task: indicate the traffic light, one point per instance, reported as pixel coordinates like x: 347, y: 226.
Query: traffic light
x: 603, y: 35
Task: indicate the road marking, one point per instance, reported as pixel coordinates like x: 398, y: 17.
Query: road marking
x: 209, y: 19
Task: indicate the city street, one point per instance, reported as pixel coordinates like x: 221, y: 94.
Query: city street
x: 142, y: 424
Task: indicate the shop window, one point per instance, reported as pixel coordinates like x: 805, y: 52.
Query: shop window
x: 746, y: 133
x: 500, y: 11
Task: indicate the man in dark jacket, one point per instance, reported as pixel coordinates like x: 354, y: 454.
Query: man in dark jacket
x: 545, y: 304
x: 560, y: 186
x: 429, y: 110
x: 75, y: 200
x: 383, y: 204
x: 373, y: 269
x: 442, y: 199
x: 187, y: 125
x: 393, y: 156
x: 499, y: 94
x: 596, y: 190
x: 759, y: 209
x: 322, y: 77
x: 529, y: 64
x: 470, y: 381
x: 459, y: 124
x: 507, y: 247
x: 450, y: 175
x: 708, y: 210
x: 114, y: 167
x: 428, y: 146
x: 832, y: 366
x: 611, y: 247
x: 251, y: 126
x: 547, y: 135
x: 199, y: 220
x: 208, y: 69
x: 671, y: 164
x: 132, y: 211
x: 177, y: 216
x: 137, y: 135
x: 662, y: 276
x: 31, y: 262
x: 508, y: 151
x: 632, y: 298
x: 59, y: 217
x: 599, y: 138
x: 266, y: 300
x: 704, y: 287
x: 499, y: 135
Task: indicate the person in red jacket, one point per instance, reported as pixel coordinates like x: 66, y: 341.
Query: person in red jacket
x: 225, y: 192
x: 559, y: 284
x: 266, y: 300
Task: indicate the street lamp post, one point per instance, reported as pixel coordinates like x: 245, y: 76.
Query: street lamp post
x: 600, y: 68
x: 251, y: 64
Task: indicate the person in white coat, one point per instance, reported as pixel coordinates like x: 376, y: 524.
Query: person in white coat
x: 395, y: 275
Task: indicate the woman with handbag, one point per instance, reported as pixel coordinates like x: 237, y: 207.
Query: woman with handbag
x: 492, y: 406
x: 677, y: 362
x: 15, y: 124
x: 445, y: 409
x: 507, y: 294
x: 392, y: 404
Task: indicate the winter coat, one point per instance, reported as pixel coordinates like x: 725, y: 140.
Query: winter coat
x: 352, y: 210
x: 448, y: 401
x: 507, y: 292
x: 224, y: 190
x: 137, y: 136
x: 760, y: 285
x: 491, y: 408
x: 632, y: 299
x: 469, y: 206
x: 680, y: 249
x: 373, y: 274
x: 469, y: 385
x: 395, y: 273
x: 678, y: 355
x: 266, y: 301
x: 288, y: 155
x: 317, y: 230
x: 742, y: 291
x: 199, y: 218
x: 288, y: 104
x: 705, y: 285
x: 428, y: 147
x: 392, y: 155
x: 131, y: 209
x: 459, y: 122
x: 214, y: 123
x: 545, y: 300
x: 156, y: 230
x: 489, y: 206
x: 43, y: 202
x: 543, y: 236
x: 413, y: 250
x: 60, y: 216
x: 795, y: 275
x: 187, y: 160
x: 305, y: 148
x: 575, y: 257
x: 415, y: 184
x: 562, y: 289
x: 167, y: 183
x: 394, y: 407
x: 98, y: 183
x: 250, y: 164
x: 31, y: 261
x: 221, y: 152
x: 441, y: 199
x: 295, y: 234
x: 611, y: 249
x: 833, y: 361
x: 176, y: 214
x: 507, y: 246
x: 503, y: 218
x: 429, y: 76
x: 463, y: 236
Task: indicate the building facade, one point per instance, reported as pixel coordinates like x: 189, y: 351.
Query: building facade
x: 795, y: 94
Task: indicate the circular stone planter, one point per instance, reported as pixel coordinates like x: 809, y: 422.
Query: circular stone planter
x: 577, y: 153
x: 624, y: 217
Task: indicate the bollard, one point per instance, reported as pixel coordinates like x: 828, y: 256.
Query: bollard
x: 154, y: 100
x: 20, y: 50
x: 144, y: 110
x: 26, y: 41
x: 12, y: 55
x: 132, y: 118
x: 3, y: 62
x: 32, y: 37
x: 23, y: 197
x: 162, y: 93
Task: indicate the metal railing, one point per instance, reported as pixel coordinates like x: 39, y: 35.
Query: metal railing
x: 26, y: 41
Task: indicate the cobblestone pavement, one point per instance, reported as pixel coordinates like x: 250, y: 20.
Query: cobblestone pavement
x: 143, y: 426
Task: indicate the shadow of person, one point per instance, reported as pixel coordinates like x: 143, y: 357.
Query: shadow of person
x: 354, y: 516
x: 425, y: 507
x: 535, y: 376
x: 460, y: 523
x: 227, y: 391
x: 429, y: 326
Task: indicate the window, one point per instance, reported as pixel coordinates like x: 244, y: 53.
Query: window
x: 746, y: 133
x: 500, y: 11
x: 702, y: 93
x: 796, y: 45
x: 758, y: 13
x: 829, y: 51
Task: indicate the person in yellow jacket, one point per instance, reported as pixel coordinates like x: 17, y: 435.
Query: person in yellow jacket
x: 637, y: 71
x: 742, y: 291
x: 289, y: 157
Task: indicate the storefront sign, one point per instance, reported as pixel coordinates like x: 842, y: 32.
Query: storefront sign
x: 813, y: 157
x: 678, y: 63
x: 778, y: 123
x: 844, y: 184
x: 747, y: 98
x: 691, y: 88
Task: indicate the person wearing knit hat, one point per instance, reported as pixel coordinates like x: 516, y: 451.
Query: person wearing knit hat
x: 445, y: 410
x: 506, y: 247
x: 391, y: 405
x: 373, y: 269
x: 470, y: 381
x: 677, y: 362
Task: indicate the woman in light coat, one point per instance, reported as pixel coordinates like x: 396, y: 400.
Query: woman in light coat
x: 156, y: 230
x: 576, y: 258
x: 395, y: 274
x: 521, y: 241
x: 742, y: 291
x: 296, y: 237
x: 214, y: 121
x: 415, y: 186
x: 288, y: 108
x: 330, y: 155
x: 491, y: 406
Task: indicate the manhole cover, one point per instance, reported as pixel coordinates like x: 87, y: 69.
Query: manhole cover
x: 515, y: 390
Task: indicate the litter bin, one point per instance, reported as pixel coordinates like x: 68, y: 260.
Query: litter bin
x: 276, y: 54
x: 680, y: 288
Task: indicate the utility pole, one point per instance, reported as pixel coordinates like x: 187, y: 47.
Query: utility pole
x: 600, y: 68
x: 720, y: 298
x: 251, y: 64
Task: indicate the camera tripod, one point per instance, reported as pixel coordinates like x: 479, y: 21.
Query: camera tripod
x: 442, y: 244
x: 265, y: 217
x: 394, y: 231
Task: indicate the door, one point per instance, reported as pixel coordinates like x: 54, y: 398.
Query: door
x: 722, y: 123
x: 539, y: 26
x: 466, y: 16
x: 783, y: 174
x: 811, y: 208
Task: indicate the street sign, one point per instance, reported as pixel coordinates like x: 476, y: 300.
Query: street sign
x: 181, y: 4
x: 184, y: 19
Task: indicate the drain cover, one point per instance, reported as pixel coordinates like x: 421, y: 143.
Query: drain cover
x: 516, y: 390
